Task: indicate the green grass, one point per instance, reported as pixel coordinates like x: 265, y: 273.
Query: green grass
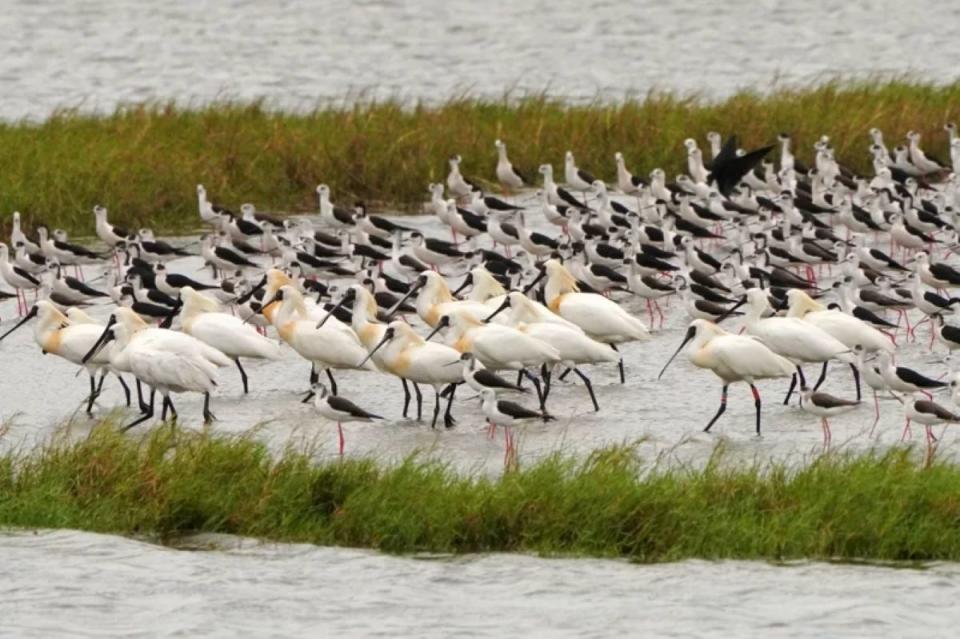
x: 143, y: 162
x: 171, y: 483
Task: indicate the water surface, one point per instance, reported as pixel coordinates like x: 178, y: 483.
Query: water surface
x: 97, y: 53
x: 65, y: 582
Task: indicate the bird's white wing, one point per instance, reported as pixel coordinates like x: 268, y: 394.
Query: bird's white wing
x: 748, y: 357
x: 231, y: 336
x: 173, y: 370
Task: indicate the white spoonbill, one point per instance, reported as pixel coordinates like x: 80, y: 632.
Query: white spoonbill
x: 167, y: 361
x: 793, y: 338
x: 732, y: 358
x: 370, y: 332
x: 599, y: 317
x: 574, y: 346
x: 848, y: 330
x: 497, y: 346
x: 326, y: 347
x: 434, y: 299
x: 409, y: 356
x: 56, y: 334
x: 201, y: 318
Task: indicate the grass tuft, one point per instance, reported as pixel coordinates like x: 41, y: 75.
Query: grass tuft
x: 143, y: 161
x: 172, y: 483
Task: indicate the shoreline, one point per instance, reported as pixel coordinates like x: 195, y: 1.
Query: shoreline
x: 171, y: 484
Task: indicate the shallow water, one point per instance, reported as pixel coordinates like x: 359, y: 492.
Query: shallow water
x: 97, y: 53
x: 38, y: 393
x: 65, y: 582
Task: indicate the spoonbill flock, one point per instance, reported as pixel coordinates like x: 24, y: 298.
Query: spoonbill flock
x: 776, y: 264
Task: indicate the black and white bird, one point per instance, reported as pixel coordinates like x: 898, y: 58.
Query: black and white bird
x: 936, y: 274
x: 223, y: 258
x: 509, y: 177
x: 479, y: 378
x: 244, y: 228
x: 64, y: 252
x: 339, y: 409
x: 949, y: 335
x: 153, y: 250
x: 435, y: 252
x: 70, y: 288
x: 507, y: 414
x: 556, y: 194
x: 109, y: 234
x: 576, y: 178
x: 924, y: 411
x: 824, y: 406
x: 333, y: 216
x: 905, y: 380
x: 171, y: 283
x: 377, y: 225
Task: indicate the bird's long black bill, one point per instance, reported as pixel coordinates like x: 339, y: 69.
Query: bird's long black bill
x: 730, y: 311
x: 500, y: 309
x: 413, y: 289
x: 246, y: 296
x: 336, y: 307
x: 467, y: 281
x: 386, y: 338
x: 101, y: 341
x: 436, y: 330
x: 26, y: 318
x: 535, y: 281
x: 686, y: 339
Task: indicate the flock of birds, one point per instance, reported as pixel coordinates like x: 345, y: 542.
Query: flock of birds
x: 347, y: 289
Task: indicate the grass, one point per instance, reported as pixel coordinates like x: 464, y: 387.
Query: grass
x: 171, y: 483
x: 144, y: 161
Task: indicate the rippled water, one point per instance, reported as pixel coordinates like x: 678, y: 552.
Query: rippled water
x: 99, y: 52
x: 59, y: 583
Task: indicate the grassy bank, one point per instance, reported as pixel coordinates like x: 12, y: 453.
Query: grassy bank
x: 172, y: 483
x: 143, y: 162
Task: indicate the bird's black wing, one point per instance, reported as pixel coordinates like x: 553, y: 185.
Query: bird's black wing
x: 342, y: 405
x: 516, y: 410
x: 489, y: 379
x: 826, y: 400
x: 727, y: 174
x: 911, y: 376
x: 930, y: 408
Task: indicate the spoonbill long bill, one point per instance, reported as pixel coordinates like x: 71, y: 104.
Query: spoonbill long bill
x: 227, y: 333
x: 56, y: 334
x: 167, y: 361
x: 732, y: 358
x: 599, y: 317
x: 409, y: 356
x: 793, y: 338
x: 339, y: 410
